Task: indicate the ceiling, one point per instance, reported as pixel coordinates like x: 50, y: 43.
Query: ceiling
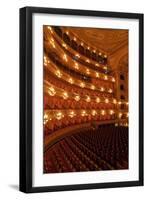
x: 107, y: 40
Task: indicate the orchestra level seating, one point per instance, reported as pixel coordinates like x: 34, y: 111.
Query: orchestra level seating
x: 98, y: 148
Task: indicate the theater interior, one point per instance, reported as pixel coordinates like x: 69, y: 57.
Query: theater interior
x: 85, y: 96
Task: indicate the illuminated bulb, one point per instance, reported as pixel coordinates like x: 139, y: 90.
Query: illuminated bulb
x: 97, y: 65
x: 105, y: 67
x: 105, y: 56
x: 77, y: 55
x: 97, y: 74
x: 87, y: 60
x: 103, y: 112
x: 82, y: 44
x: 45, y: 59
x: 64, y: 45
x: 45, y: 116
x: 51, y: 91
x: 97, y: 99
x: 110, y: 90
x: 59, y: 115
x: 102, y: 89
x: 88, y: 99
x: 67, y: 32
x: 49, y: 27
x: 82, y: 84
x: 87, y: 71
x: 119, y: 102
x: 71, y: 80
x: 83, y: 113
x: 106, y: 77
x: 65, y: 57
x: 92, y: 87
x: 76, y: 66
x: 111, y: 112
x: 93, y: 112
x: 113, y: 79
x: 75, y: 39
x: 72, y: 114
x: 100, y: 53
x: 77, y: 98
x: 114, y: 101
x: 106, y: 100
x: 120, y: 115
x: 94, y: 51
x: 127, y: 103
x: 58, y: 73
x: 88, y: 48
x: 65, y: 95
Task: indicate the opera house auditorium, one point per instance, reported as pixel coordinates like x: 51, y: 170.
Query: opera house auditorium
x: 85, y: 96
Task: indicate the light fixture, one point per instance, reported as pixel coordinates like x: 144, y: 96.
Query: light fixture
x: 97, y: 99
x: 101, y: 89
x: 82, y: 84
x: 76, y: 65
x: 114, y: 101
x: 97, y: 74
x: 87, y: 71
x: 93, y: 87
x: 82, y: 44
x: 58, y: 73
x: 71, y: 114
x: 113, y: 79
x: 65, y: 57
x: 71, y: 80
x: 111, y: 112
x: 59, y: 115
x: 83, y: 113
x: 88, y: 99
x: 77, y: 97
x: 105, y: 56
x: 87, y: 60
x: 100, y: 53
x: 65, y: 95
x: 97, y: 64
x: 106, y: 100
x: 103, y: 112
x: 93, y: 112
x: 75, y: 39
x: 120, y: 115
x: 110, y: 91
x: 51, y: 91
x: 106, y: 77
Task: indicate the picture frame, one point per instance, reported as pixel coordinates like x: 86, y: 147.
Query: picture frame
x: 28, y: 112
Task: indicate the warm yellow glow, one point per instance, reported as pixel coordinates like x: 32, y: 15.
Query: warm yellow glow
x: 88, y: 48
x: 111, y: 112
x: 50, y: 29
x: 127, y: 115
x: 120, y: 115
x: 93, y: 87
x: 127, y: 103
x: 59, y: 115
x: 65, y: 57
x: 71, y: 80
x: 67, y: 32
x: 82, y: 44
x: 82, y: 84
x: 94, y: 51
x: 113, y: 79
x: 97, y: 99
x: 119, y: 102
x: 87, y: 60
x: 77, y: 97
x: 93, y: 112
x: 75, y: 39
x: 88, y: 99
x: 106, y: 100
x: 65, y: 95
x: 97, y: 65
x: 102, y: 89
x: 106, y: 77
x: 51, y: 91
x: 87, y: 71
x: 58, y: 73
x: 45, y: 116
x: 77, y: 55
x: 110, y: 91
x: 97, y: 74
x: 105, y: 56
x: 76, y: 66
x: 114, y: 101
x: 103, y: 112
x: 52, y: 43
x: 105, y: 67
x: 83, y: 113
x: 100, y: 54
x: 64, y: 45
x: 72, y: 114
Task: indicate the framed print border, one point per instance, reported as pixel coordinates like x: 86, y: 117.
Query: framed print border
x: 26, y: 103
